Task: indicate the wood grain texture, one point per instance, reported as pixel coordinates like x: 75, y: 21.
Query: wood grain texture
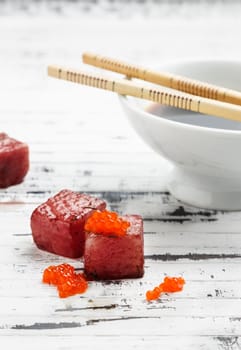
x: 173, y: 81
x: 177, y: 99
x: 90, y: 147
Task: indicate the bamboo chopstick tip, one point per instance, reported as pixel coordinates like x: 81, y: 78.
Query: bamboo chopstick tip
x: 87, y: 56
x: 55, y: 71
x: 52, y: 71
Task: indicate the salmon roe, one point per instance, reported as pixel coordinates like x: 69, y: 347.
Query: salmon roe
x: 170, y: 285
x: 106, y: 223
x: 65, y: 279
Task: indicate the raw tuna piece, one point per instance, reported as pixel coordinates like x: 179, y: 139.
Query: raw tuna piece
x: 116, y: 257
x: 14, y: 161
x: 58, y: 224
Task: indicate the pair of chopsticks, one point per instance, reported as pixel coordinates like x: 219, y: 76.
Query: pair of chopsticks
x: 188, y: 94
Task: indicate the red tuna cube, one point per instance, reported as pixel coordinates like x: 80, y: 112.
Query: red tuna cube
x: 14, y: 161
x: 116, y: 257
x: 58, y: 224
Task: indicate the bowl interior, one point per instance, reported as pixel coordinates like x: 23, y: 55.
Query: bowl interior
x: 222, y: 73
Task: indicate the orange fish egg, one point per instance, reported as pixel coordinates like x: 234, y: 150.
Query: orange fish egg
x: 170, y: 285
x: 106, y: 223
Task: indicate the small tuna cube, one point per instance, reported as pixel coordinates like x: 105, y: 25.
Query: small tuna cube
x: 116, y: 257
x: 58, y: 224
x: 14, y: 161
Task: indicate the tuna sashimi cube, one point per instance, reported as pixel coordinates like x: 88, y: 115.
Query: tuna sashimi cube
x: 14, y: 161
x: 116, y: 257
x: 58, y: 224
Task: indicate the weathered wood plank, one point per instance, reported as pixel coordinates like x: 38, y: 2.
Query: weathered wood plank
x: 106, y: 306
x: 88, y: 342
x: 129, y: 326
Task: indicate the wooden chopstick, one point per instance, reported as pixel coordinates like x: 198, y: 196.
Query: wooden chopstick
x: 125, y: 87
x: 172, y: 81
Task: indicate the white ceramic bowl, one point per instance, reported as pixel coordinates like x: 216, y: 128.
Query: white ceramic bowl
x: 205, y: 151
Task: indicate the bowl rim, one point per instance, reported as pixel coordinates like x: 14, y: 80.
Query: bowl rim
x: 126, y: 100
